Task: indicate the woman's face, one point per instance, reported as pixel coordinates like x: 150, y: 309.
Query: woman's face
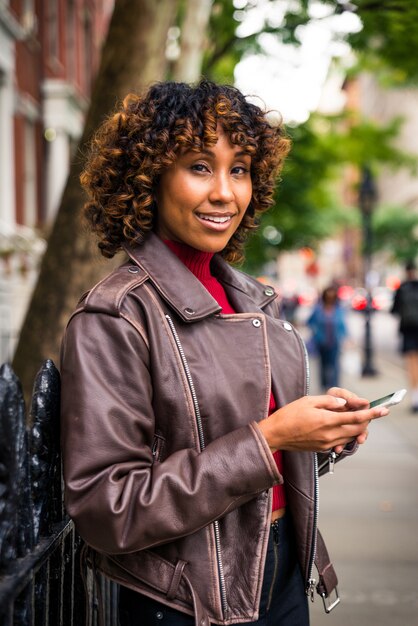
x: 202, y: 197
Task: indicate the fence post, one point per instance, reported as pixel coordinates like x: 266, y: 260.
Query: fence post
x: 40, y: 568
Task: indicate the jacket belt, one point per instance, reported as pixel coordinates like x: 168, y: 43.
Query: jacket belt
x: 328, y: 580
x: 162, y: 576
x: 200, y: 615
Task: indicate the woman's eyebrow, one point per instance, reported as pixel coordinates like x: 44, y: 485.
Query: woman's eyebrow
x: 212, y: 154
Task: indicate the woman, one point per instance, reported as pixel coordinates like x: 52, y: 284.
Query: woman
x: 328, y: 333
x: 184, y: 409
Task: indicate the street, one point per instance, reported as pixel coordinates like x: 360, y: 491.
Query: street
x: 369, y: 507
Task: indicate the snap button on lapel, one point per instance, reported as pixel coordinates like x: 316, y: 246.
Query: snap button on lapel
x: 189, y: 311
x: 133, y: 269
x: 269, y: 291
x: 287, y: 326
x: 256, y: 323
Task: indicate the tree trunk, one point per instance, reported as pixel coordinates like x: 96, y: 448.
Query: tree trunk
x: 188, y: 67
x: 133, y: 57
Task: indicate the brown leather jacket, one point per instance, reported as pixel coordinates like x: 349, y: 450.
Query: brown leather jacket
x: 167, y: 474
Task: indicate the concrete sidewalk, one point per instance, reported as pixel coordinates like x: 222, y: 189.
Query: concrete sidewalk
x: 369, y: 513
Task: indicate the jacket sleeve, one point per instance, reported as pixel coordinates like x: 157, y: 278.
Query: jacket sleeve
x: 119, y: 499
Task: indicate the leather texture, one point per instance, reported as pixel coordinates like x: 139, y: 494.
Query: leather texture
x: 140, y: 488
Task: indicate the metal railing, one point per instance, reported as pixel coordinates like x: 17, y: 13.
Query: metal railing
x: 43, y: 577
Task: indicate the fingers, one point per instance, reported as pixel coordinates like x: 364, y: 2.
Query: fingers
x: 341, y: 392
x: 363, y: 437
x: 338, y: 440
x: 347, y: 427
x: 361, y: 416
x: 342, y: 413
x: 357, y: 403
x: 360, y: 439
x: 329, y: 402
x: 339, y: 427
x: 353, y: 401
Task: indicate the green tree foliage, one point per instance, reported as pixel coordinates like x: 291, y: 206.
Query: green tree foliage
x: 390, y: 33
x: 225, y: 47
x: 307, y: 206
x: 306, y: 209
x: 389, y: 30
x: 365, y: 143
x: 396, y: 231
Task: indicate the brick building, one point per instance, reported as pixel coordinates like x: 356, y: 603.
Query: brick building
x: 49, y: 53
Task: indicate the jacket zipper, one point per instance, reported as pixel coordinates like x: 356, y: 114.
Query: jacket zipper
x: 311, y: 581
x: 221, y: 572
x: 329, y: 462
x: 276, y: 563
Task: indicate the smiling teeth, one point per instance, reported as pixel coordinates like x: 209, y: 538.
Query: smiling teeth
x: 218, y: 220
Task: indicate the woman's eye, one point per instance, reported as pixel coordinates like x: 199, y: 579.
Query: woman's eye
x: 239, y: 169
x: 199, y: 167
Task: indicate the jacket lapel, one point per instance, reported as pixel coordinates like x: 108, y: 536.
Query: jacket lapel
x: 184, y: 293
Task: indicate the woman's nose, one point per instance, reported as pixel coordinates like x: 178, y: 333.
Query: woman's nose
x: 221, y: 190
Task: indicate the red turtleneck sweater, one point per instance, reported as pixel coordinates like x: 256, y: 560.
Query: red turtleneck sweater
x: 199, y: 264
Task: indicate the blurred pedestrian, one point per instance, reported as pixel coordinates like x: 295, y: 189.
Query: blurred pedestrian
x: 327, y: 323
x: 405, y: 305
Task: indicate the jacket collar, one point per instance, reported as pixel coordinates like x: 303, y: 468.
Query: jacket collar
x: 178, y: 286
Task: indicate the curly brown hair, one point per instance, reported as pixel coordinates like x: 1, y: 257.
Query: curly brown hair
x: 135, y: 144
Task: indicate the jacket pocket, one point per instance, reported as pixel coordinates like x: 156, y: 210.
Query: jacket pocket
x: 157, y: 449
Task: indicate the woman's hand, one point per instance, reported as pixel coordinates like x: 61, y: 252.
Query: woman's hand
x: 320, y: 423
x: 353, y: 403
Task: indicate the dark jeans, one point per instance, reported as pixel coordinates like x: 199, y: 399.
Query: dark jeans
x: 283, y: 599
x: 329, y: 367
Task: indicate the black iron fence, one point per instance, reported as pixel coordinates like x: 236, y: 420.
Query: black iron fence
x: 43, y: 577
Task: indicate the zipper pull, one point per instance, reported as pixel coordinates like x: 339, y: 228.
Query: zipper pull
x: 275, y: 530
x: 311, y: 588
x: 331, y: 461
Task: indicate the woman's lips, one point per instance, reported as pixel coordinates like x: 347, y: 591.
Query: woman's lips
x: 219, y: 222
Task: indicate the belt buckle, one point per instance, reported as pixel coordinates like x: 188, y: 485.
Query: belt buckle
x: 329, y: 607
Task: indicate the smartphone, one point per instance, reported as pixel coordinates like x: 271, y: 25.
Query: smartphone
x: 390, y: 400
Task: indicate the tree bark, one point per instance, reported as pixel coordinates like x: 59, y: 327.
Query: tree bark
x: 133, y: 57
x: 193, y: 41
